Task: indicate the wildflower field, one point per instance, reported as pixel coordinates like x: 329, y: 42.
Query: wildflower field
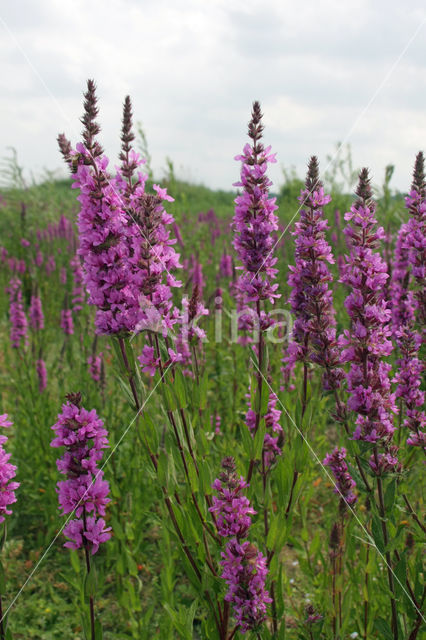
x: 211, y: 406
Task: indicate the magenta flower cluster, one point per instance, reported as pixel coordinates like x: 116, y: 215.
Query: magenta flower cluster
x: 274, y: 431
x: 125, y: 244
x: 344, y: 483
x: 368, y: 341
x: 18, y: 319
x: 84, y: 491
x: 244, y: 567
x: 255, y: 221
x: 311, y: 299
x: 409, y: 268
x: 7, y: 472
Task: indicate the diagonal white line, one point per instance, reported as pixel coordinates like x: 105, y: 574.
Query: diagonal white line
x: 369, y: 537
x: 64, y: 115
x: 27, y: 580
x: 35, y: 70
x: 349, y: 133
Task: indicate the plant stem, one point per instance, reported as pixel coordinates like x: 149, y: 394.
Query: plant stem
x: 2, y: 631
x: 91, y: 601
x: 382, y: 512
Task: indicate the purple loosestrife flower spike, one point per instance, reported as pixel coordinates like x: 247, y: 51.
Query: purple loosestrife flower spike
x: 41, y: 374
x: 7, y: 473
x: 245, y: 571
x: 18, y: 319
x: 244, y: 567
x: 67, y: 324
x: 415, y: 235
x: 125, y: 244
x: 36, y: 314
x: 84, y: 491
x: 255, y: 221
x: 410, y: 267
x: 231, y: 506
x: 311, y: 299
x: 344, y: 483
x: 364, y: 347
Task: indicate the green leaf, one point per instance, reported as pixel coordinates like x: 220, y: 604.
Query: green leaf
x: 90, y: 582
x: 203, y: 390
x: 180, y: 389
x: 75, y: 561
x: 377, y: 532
x: 390, y: 495
x: 258, y: 440
x: 98, y: 630
x: 383, y: 627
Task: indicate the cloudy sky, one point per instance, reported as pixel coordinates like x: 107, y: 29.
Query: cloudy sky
x: 324, y: 71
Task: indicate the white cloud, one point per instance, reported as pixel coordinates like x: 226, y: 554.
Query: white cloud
x: 194, y: 68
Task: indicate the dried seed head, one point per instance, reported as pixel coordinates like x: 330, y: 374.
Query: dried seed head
x: 363, y: 191
x: 313, y: 182
x: 74, y: 398
x: 419, y: 181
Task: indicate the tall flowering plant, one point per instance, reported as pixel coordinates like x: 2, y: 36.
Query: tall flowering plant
x: 84, y: 492
x: 125, y: 244
x: 311, y: 298
x: 8, y: 487
x: 366, y: 345
x: 408, y: 301
x: 244, y: 566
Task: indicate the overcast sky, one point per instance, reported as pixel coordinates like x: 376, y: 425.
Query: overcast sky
x: 324, y: 71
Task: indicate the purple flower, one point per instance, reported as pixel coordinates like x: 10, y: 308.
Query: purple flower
x: 36, y: 314
x: 95, y: 533
x: 78, y: 294
x: 41, y: 374
x: 67, y: 324
x: 311, y: 299
x: 125, y: 244
x: 148, y: 361
x: 255, y: 221
x: 18, y: 319
x: 7, y: 472
x: 225, y: 265
x: 410, y: 268
x: 244, y: 567
x: 84, y: 491
x: 344, y: 483
x: 231, y: 507
x: 95, y: 366
x: 365, y: 272
x: 245, y: 571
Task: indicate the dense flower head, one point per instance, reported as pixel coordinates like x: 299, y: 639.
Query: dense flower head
x: 67, y: 324
x: 408, y: 300
x: 369, y: 340
x: 36, y: 313
x: 125, y: 244
x: 245, y: 571
x: 344, y: 482
x: 78, y: 293
x: 41, y: 374
x: 386, y: 462
x: 231, y: 506
x: 7, y: 473
x: 18, y: 319
x: 95, y: 533
x: 311, y: 299
x: 84, y: 491
x: 414, y: 237
x: 274, y: 433
x: 255, y: 221
x: 95, y: 366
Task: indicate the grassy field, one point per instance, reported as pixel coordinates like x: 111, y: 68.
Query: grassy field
x: 145, y: 586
